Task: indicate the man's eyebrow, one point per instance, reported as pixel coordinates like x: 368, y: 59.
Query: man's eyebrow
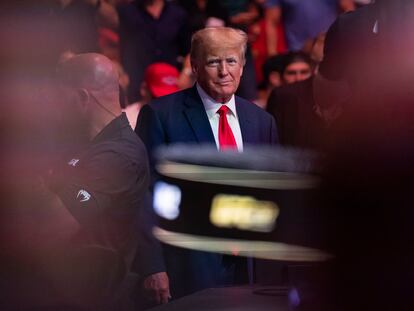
x: 212, y: 60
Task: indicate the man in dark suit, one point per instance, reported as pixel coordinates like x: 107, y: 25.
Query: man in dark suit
x: 217, y: 59
x: 207, y: 113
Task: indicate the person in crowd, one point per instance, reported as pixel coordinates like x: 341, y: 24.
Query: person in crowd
x: 297, y: 67
x: 302, y: 20
x: 160, y: 79
x: 78, y: 22
x: 104, y: 185
x: 201, y: 13
x: 242, y: 16
x: 352, y: 5
x: 258, y: 39
x: 109, y: 43
x: 151, y: 31
x: 207, y: 113
x: 314, y: 48
x: 272, y: 77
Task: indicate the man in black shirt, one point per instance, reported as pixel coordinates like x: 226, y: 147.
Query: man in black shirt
x: 105, y: 185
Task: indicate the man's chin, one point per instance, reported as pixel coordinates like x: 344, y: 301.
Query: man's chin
x: 226, y: 93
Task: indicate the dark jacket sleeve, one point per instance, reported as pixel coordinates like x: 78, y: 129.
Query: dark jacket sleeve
x: 274, y: 137
x: 151, y: 132
x: 149, y: 257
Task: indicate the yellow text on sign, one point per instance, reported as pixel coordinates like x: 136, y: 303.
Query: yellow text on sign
x: 243, y: 212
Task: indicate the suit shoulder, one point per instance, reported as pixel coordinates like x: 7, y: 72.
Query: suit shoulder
x: 169, y: 102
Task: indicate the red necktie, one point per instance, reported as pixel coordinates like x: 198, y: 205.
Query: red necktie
x: 225, y: 134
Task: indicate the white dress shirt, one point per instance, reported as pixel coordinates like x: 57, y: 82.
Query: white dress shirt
x: 212, y: 107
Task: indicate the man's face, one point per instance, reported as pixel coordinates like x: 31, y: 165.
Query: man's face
x: 218, y: 72
x: 297, y: 71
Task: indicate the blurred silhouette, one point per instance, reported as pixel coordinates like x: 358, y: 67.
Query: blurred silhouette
x: 369, y: 170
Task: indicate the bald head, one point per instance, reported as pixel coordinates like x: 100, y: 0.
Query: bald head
x: 90, y: 90
x: 91, y: 71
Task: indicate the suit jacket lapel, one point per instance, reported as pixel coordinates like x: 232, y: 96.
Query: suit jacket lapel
x: 197, y: 117
x: 245, y: 122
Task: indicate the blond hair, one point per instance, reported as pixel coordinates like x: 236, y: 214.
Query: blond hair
x: 213, y: 38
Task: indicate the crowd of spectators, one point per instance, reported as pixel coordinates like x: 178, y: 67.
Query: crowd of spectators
x: 286, y: 37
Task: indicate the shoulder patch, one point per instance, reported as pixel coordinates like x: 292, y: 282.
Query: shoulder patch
x: 73, y: 162
x: 83, y: 195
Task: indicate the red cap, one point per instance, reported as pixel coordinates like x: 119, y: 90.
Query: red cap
x: 161, y: 79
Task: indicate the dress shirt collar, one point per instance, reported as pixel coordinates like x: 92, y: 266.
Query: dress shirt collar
x: 211, y: 106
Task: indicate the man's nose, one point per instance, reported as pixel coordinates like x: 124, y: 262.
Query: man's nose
x: 223, y: 70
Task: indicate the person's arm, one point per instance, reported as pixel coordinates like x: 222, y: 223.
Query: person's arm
x: 272, y: 19
x: 243, y: 18
x: 346, y: 5
x: 149, y: 260
x: 155, y: 279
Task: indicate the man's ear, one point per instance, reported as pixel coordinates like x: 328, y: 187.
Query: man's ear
x: 84, y: 97
x: 194, y: 67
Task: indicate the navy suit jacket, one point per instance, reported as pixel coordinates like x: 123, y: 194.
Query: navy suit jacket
x: 181, y: 118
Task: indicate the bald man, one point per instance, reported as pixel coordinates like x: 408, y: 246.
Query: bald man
x: 104, y: 184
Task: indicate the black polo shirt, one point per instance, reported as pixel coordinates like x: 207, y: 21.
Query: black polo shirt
x: 105, y: 187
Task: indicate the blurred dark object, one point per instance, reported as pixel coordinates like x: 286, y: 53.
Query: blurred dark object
x: 230, y: 298
x: 370, y: 158
x: 302, y: 120
x: 293, y: 108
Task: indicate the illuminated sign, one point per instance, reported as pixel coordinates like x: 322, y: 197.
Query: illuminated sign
x: 243, y: 212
